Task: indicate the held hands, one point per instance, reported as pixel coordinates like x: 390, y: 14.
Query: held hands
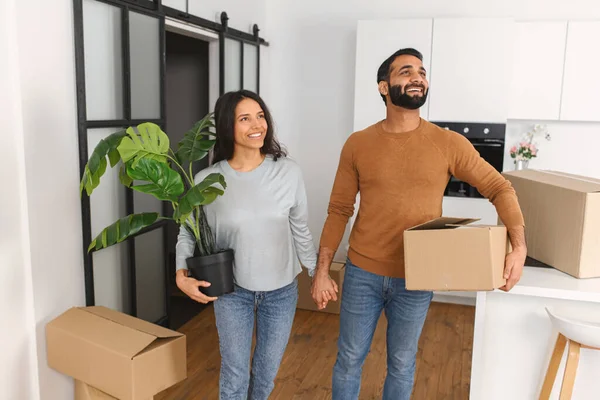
x: 190, y: 287
x: 513, y: 267
x: 323, y: 289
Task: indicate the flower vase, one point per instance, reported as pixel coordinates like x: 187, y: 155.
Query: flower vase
x: 521, y: 164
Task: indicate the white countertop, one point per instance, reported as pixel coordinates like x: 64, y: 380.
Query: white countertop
x: 549, y: 282
x: 513, y: 336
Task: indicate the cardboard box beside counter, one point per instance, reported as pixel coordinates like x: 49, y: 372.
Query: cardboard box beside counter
x: 449, y: 254
x: 305, y: 301
x: 562, y: 219
x: 122, y: 356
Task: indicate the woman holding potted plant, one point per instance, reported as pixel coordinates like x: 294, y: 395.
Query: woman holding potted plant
x: 262, y: 217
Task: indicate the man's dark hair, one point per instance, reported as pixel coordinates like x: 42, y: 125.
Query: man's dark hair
x: 225, y: 126
x: 383, y: 73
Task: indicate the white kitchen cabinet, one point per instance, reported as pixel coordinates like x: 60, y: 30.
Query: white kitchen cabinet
x: 376, y: 41
x: 581, y: 82
x: 537, y: 70
x: 471, y: 64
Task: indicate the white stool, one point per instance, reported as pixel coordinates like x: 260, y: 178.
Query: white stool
x: 578, y: 334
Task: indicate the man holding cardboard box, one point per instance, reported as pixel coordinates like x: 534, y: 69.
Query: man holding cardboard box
x: 401, y: 166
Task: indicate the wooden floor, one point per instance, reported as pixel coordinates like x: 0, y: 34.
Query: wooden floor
x: 443, y: 360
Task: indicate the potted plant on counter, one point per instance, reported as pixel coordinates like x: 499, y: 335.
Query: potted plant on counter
x: 148, y: 165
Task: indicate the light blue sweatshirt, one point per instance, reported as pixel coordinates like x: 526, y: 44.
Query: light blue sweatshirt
x: 263, y: 217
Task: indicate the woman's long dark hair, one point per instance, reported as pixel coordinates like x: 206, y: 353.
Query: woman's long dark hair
x: 225, y: 123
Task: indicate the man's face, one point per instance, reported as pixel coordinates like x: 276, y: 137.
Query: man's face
x: 407, y: 85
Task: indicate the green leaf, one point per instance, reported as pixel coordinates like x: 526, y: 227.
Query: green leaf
x: 122, y: 229
x: 151, y: 143
x: 196, y: 142
x: 200, y: 195
x: 96, y: 165
x: 165, y: 183
x: 211, y: 179
x: 123, y: 177
x: 114, y: 157
x: 216, y: 190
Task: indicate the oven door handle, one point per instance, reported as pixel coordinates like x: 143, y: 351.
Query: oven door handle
x: 487, y: 144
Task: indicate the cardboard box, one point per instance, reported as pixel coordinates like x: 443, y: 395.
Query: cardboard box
x: 448, y: 254
x: 562, y: 219
x: 305, y: 301
x: 122, y: 356
x: 83, y: 391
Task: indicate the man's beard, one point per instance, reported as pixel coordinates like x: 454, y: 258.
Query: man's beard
x: 400, y: 97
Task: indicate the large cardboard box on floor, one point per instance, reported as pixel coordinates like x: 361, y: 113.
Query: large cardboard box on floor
x: 562, y: 219
x: 448, y: 254
x: 83, y: 391
x: 122, y: 356
x: 305, y: 301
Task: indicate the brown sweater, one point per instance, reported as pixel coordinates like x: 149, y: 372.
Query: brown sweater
x: 401, y: 178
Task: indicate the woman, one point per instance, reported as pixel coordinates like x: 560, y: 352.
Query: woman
x: 263, y: 217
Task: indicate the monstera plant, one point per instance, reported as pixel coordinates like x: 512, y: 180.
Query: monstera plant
x: 149, y: 165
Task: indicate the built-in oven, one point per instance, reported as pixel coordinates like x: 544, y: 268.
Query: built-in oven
x: 488, y: 140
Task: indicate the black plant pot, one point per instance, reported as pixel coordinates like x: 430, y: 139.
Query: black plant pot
x: 216, y: 269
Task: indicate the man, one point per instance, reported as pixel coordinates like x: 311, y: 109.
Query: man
x: 401, y: 166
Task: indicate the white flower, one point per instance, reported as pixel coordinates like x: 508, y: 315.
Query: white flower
x: 537, y: 129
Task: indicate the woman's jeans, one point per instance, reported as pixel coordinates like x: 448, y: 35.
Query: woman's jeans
x: 235, y: 314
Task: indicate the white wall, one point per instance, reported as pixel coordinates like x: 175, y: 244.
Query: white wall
x: 40, y: 240
x: 18, y: 370
x: 312, y: 57
x: 573, y: 147
x: 242, y: 14
x: 42, y: 272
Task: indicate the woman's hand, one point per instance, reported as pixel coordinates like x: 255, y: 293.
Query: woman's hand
x: 323, y: 289
x: 190, y: 287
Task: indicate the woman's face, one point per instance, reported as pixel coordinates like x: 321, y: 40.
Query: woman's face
x: 250, y: 126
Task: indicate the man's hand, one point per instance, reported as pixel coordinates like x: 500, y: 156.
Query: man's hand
x: 323, y: 289
x: 190, y: 286
x: 513, y: 267
x: 515, y: 260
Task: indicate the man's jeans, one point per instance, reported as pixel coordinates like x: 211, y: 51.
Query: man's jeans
x: 235, y: 315
x: 364, y: 296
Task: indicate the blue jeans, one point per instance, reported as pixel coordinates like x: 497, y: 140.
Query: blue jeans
x: 235, y: 314
x: 364, y: 297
